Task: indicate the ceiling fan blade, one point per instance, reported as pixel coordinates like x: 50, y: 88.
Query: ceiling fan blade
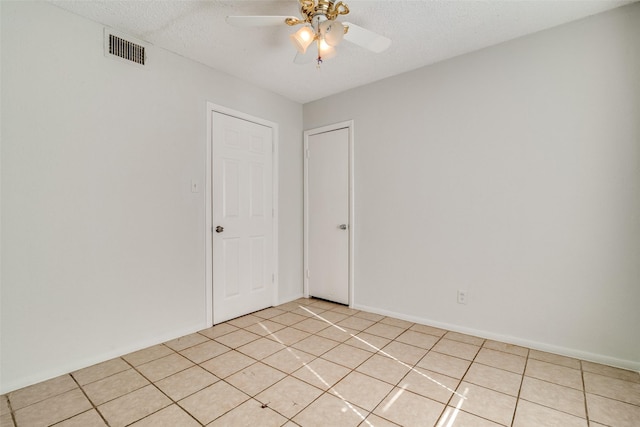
x: 309, y: 56
x: 257, y: 21
x: 366, y: 38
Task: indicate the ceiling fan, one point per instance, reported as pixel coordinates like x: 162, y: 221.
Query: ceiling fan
x: 320, y: 32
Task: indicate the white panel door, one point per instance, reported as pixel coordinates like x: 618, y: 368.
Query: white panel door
x: 328, y: 215
x: 242, y: 217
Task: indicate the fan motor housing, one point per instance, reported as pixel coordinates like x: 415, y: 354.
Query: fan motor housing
x: 327, y: 8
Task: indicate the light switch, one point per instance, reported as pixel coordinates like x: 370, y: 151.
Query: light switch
x: 195, y: 186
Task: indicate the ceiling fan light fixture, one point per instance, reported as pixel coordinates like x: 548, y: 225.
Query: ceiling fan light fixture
x: 302, y: 38
x: 320, y: 31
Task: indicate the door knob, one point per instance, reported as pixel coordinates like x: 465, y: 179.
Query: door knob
x: 219, y: 229
x: 343, y: 226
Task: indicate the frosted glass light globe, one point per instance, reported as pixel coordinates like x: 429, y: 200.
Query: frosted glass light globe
x: 332, y: 32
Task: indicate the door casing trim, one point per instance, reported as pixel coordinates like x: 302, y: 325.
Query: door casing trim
x: 208, y: 187
x: 349, y: 124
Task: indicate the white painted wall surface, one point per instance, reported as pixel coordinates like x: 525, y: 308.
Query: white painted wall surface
x: 102, y: 239
x: 512, y: 173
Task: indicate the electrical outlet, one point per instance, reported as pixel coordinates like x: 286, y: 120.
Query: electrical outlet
x: 462, y: 297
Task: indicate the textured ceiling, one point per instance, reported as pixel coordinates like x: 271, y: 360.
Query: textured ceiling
x: 422, y: 32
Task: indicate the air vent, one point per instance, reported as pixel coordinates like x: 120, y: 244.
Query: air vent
x: 124, y: 48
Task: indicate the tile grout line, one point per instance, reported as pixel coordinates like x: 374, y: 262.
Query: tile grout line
x: 480, y: 347
x: 446, y: 405
x: 285, y: 346
x: 377, y: 352
x: 562, y: 410
x: 88, y: 399
x: 586, y: 418
x: 331, y: 389
x: 11, y: 411
x: 584, y: 394
x: 412, y: 368
x: 323, y: 392
x: 524, y: 369
x: 224, y: 380
x: 157, y: 388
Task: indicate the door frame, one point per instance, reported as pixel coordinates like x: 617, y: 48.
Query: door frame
x: 208, y: 190
x: 350, y: 126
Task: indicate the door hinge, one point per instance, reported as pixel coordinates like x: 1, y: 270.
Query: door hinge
x: 307, y: 154
x: 308, y: 274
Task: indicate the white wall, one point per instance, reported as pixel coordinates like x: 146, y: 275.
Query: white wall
x: 103, y: 243
x: 513, y: 173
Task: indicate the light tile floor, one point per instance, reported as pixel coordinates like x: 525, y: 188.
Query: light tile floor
x: 315, y: 363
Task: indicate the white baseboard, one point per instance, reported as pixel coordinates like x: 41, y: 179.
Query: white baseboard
x: 290, y: 298
x: 564, y: 351
x: 75, y: 365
